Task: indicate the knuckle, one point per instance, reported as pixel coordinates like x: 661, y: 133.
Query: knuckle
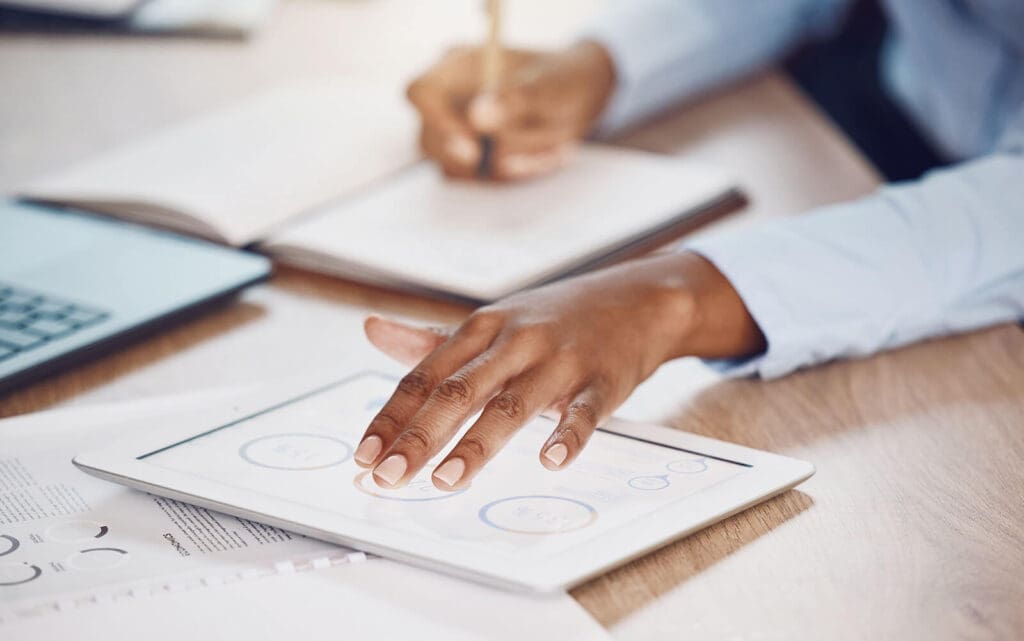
x: 456, y: 51
x: 417, y: 439
x: 569, y: 354
x: 484, y: 320
x: 570, y: 434
x: 414, y: 91
x: 456, y: 390
x: 416, y: 383
x: 509, y: 406
x: 601, y: 382
x: 475, y: 446
x: 582, y: 412
x: 534, y: 334
x: 385, y: 422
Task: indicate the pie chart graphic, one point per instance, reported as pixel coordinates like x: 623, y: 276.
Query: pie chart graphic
x: 18, y: 573
x: 8, y: 544
x: 298, y: 452
x: 538, y: 514
x: 76, y: 531
x: 98, y: 559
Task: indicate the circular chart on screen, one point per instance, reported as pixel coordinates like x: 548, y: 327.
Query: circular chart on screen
x: 419, y: 488
x: 688, y: 466
x: 538, y: 514
x: 649, y: 483
x: 299, y: 451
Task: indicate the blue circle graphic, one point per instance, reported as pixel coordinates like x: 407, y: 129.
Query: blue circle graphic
x: 590, y: 514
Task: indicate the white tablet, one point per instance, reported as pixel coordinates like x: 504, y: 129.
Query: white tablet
x: 287, y: 461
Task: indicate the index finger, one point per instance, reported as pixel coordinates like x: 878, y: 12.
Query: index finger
x: 446, y: 136
x: 471, y: 339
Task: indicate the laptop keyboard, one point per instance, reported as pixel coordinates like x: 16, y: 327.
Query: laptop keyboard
x: 30, y: 319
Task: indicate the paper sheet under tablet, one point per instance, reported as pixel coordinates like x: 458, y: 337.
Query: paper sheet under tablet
x: 377, y: 601
x: 67, y: 537
x: 302, y: 453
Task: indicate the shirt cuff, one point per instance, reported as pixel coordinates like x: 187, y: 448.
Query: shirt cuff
x: 647, y: 43
x: 751, y: 275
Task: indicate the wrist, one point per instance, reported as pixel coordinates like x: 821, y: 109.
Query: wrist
x: 712, y: 319
x: 594, y: 63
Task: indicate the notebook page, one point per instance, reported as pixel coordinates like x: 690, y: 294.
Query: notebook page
x: 235, y: 174
x: 481, y: 240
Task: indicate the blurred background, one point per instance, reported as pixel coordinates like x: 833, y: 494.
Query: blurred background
x: 101, y: 80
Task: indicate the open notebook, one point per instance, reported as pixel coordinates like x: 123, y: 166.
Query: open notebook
x: 327, y: 177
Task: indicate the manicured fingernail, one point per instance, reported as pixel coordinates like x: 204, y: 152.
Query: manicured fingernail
x: 556, y: 453
x: 451, y: 471
x: 391, y: 470
x: 368, y: 450
x: 462, y: 149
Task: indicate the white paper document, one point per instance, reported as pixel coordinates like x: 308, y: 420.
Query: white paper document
x: 66, y: 537
x: 87, y: 559
x: 378, y: 600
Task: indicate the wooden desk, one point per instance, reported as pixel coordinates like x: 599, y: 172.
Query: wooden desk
x: 913, y: 526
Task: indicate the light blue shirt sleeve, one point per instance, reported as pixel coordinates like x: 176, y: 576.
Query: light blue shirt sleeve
x: 667, y: 50
x: 941, y: 255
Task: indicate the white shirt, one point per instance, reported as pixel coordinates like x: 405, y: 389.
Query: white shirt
x: 940, y: 255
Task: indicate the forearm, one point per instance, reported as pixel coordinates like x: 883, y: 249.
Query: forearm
x: 935, y: 257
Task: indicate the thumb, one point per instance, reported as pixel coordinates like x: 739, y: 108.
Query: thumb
x: 492, y: 111
x: 406, y: 344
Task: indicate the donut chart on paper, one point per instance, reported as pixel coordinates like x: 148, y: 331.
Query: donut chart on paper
x: 98, y: 559
x: 18, y: 573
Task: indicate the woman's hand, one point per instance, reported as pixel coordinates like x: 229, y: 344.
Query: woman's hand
x: 544, y: 105
x: 578, y: 347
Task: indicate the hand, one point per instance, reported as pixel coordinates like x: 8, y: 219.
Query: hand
x: 546, y: 102
x: 578, y: 347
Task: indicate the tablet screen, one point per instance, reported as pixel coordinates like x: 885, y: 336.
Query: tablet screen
x: 301, y: 451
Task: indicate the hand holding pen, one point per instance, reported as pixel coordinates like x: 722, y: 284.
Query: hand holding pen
x: 506, y: 114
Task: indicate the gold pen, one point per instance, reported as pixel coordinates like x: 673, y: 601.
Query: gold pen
x: 491, y: 78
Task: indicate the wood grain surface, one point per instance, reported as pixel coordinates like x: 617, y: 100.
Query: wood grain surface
x: 913, y: 526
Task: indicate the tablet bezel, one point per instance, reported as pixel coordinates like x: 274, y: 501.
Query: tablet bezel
x: 768, y: 475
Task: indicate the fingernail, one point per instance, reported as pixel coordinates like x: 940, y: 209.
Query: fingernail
x: 451, y: 471
x: 462, y: 149
x: 556, y: 454
x: 368, y: 450
x: 391, y: 470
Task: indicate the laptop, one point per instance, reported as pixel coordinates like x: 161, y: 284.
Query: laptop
x: 73, y: 285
